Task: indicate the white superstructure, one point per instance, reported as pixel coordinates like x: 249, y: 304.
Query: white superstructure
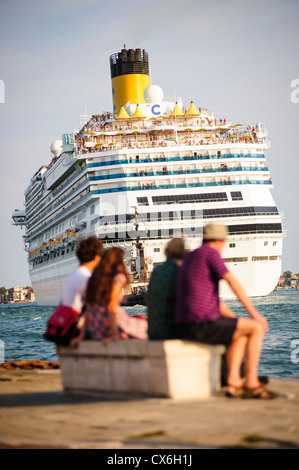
x: 145, y: 174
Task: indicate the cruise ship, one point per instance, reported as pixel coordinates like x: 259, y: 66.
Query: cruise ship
x: 150, y: 170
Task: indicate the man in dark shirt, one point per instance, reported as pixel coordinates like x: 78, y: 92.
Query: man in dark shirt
x: 161, y: 293
x: 201, y: 316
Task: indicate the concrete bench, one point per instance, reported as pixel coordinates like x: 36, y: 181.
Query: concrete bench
x: 172, y: 368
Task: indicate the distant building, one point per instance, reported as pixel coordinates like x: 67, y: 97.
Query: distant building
x: 294, y: 281
x: 3, y: 298
x: 14, y: 294
x: 30, y: 296
x: 19, y: 294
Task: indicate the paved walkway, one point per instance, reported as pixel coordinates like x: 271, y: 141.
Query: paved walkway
x: 36, y: 413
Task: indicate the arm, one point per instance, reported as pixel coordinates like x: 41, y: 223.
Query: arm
x: 225, y: 311
x: 114, y: 306
x: 82, y: 325
x: 242, y: 296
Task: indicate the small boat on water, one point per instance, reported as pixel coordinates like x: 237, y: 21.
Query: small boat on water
x: 135, y: 295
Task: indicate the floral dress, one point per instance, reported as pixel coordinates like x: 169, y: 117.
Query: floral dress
x: 128, y: 326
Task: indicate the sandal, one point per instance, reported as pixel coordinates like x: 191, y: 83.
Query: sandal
x: 258, y: 392
x: 235, y: 392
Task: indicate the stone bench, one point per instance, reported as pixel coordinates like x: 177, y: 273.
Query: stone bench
x: 172, y: 368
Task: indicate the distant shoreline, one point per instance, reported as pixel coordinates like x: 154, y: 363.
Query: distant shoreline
x: 18, y: 302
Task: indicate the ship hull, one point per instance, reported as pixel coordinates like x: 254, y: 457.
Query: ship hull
x: 258, y: 277
x: 258, y: 280
x: 47, y: 281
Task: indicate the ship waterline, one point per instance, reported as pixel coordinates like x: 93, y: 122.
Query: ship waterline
x: 147, y: 173
x: 256, y: 277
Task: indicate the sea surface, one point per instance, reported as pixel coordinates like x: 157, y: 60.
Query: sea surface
x: 22, y: 327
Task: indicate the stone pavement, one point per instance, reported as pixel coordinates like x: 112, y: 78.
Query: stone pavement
x: 35, y: 412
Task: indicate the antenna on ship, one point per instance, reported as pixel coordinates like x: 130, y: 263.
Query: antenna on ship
x: 83, y: 118
x: 139, y: 247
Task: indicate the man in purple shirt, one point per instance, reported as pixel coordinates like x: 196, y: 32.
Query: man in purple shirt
x: 201, y: 316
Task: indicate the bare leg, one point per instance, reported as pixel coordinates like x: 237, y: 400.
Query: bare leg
x: 234, y: 357
x: 254, y: 333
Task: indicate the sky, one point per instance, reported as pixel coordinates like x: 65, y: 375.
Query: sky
x: 237, y: 58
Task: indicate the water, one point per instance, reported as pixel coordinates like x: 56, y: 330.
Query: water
x: 280, y: 354
x: 22, y: 327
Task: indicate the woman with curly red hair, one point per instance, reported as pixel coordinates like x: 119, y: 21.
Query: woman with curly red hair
x: 106, y: 319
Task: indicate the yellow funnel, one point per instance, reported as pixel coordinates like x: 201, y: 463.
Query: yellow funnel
x: 130, y: 77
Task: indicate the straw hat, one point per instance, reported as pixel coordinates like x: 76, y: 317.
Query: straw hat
x: 215, y: 232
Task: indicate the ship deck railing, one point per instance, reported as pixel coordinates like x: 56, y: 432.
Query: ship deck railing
x: 162, y: 144
x: 177, y: 217
x: 180, y: 158
x: 203, y: 121
x: 56, y: 203
x: 46, y: 221
x: 108, y: 119
x: 174, y: 173
x: 152, y: 185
